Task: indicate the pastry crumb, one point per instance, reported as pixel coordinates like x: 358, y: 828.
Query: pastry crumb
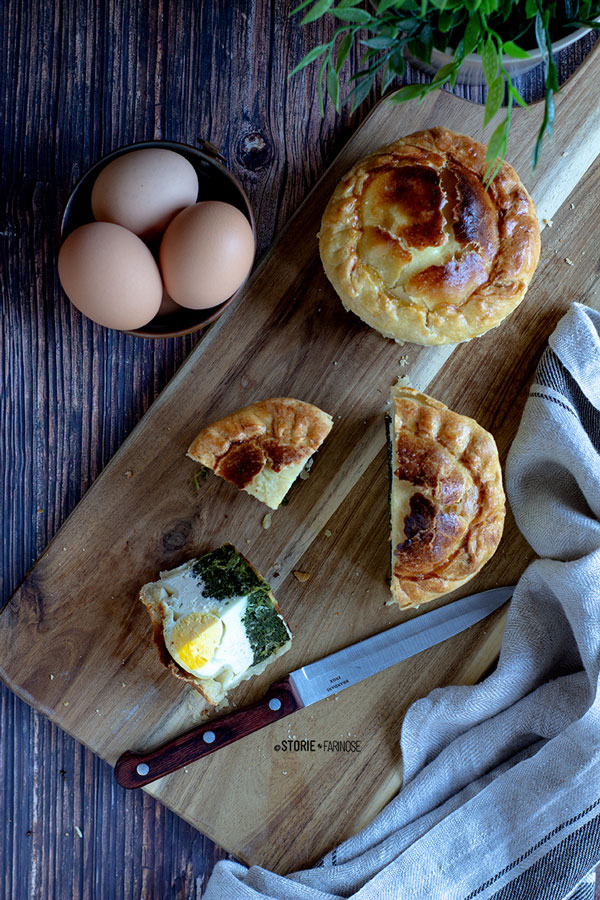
x: 266, y: 522
x: 78, y: 831
x: 547, y: 222
x: 51, y: 677
x: 571, y: 206
x: 301, y: 576
x: 327, y: 532
x: 304, y: 474
x: 128, y: 474
x: 403, y: 361
x: 568, y: 261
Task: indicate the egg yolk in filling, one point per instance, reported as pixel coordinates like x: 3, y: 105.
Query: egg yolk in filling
x: 195, y: 638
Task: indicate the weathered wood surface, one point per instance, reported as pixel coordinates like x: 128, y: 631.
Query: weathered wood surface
x: 76, y: 83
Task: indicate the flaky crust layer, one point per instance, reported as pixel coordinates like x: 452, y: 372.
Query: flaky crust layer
x: 447, y: 476
x: 414, y: 244
x: 275, y: 435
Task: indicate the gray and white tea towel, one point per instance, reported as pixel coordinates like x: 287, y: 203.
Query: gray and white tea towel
x: 501, y: 795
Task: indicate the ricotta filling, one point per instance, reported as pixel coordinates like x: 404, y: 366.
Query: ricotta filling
x: 233, y: 655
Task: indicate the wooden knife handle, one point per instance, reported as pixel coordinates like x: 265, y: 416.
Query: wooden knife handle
x: 134, y: 770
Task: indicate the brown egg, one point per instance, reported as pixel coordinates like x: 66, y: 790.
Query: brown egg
x: 206, y: 254
x: 110, y: 276
x: 143, y: 190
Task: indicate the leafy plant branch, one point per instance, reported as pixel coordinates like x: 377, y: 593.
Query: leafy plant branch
x: 493, y: 29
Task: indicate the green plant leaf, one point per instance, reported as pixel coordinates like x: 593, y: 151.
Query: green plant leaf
x: 571, y: 9
x: 472, y: 34
x: 443, y: 74
x: 490, y: 6
x: 552, y: 75
x: 545, y: 128
x: 320, y: 85
x: 344, y: 4
x: 319, y: 9
x: 408, y: 23
x: 540, y: 36
x: 388, y: 77
x: 333, y: 86
x: 496, y: 143
x: 310, y: 57
x: 409, y: 92
x: 397, y: 63
x: 511, y: 49
x: 446, y: 20
x: 359, y: 16
x: 516, y: 95
x: 361, y: 91
x: 421, y: 44
x: 494, y: 99
x: 384, y: 5
x: 459, y: 53
x: 300, y: 6
x: 344, y: 50
x: 531, y: 9
x: 549, y: 113
x: 380, y: 43
x: 489, y: 61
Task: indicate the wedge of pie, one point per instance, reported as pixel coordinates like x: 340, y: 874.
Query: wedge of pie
x: 447, y: 503
x: 263, y: 447
x: 216, y: 622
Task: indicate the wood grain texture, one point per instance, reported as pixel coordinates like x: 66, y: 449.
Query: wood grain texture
x: 77, y: 81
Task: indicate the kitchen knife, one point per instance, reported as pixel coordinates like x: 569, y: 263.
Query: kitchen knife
x: 310, y: 684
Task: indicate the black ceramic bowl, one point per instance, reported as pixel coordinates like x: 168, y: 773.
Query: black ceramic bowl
x: 215, y: 183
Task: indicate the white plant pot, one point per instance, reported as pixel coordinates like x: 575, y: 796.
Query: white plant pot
x: 471, y: 71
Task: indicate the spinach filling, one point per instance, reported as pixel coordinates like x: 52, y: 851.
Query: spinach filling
x: 390, y: 456
x: 264, y: 627
x: 226, y: 574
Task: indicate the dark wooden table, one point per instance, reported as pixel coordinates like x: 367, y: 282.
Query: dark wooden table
x: 78, y: 80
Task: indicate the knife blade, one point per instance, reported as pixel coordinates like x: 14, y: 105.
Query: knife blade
x: 311, y: 683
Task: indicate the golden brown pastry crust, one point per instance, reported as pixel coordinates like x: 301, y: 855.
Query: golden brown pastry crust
x: 270, y: 435
x: 414, y: 244
x: 447, y: 472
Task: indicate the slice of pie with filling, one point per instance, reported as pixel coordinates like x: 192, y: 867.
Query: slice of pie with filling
x: 216, y: 622
x: 447, y: 503
x: 263, y: 447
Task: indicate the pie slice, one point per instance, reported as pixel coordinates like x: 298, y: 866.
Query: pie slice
x: 263, y: 447
x: 216, y: 622
x: 446, y: 498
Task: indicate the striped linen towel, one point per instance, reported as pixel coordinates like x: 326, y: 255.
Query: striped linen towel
x: 501, y: 794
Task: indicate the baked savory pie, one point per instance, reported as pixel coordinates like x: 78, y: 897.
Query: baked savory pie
x: 446, y: 498
x: 263, y: 447
x: 216, y: 622
x: 416, y: 246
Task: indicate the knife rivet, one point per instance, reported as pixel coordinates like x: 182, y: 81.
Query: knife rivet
x: 142, y: 769
x: 208, y: 737
x: 274, y: 704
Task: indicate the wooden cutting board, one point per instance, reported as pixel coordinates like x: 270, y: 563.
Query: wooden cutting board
x: 76, y: 644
